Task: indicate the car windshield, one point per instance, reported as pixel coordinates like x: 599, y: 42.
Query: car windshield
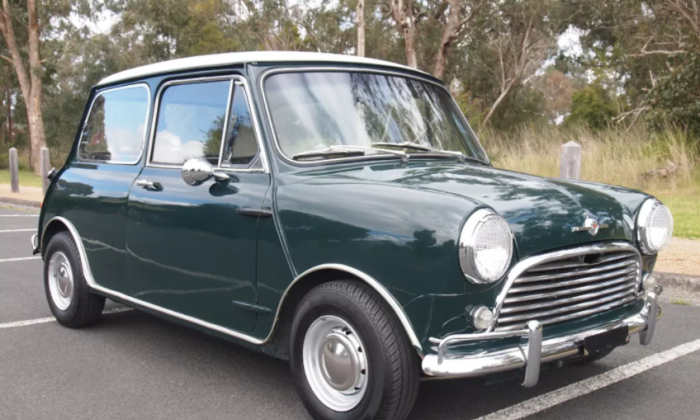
x: 317, y: 111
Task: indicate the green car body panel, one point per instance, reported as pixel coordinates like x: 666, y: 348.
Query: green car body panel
x: 187, y: 249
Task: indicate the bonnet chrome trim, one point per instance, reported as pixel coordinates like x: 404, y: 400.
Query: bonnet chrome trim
x: 383, y: 292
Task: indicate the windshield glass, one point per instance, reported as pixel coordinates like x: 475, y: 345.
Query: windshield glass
x: 317, y: 110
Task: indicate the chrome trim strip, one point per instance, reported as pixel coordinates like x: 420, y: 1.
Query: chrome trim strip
x: 570, y: 291
x: 585, y: 297
x: 540, y: 277
x: 527, y: 263
x: 579, y: 314
x: 569, y: 308
x: 145, y: 124
x: 553, y: 266
x: 227, y: 117
x: 398, y: 310
x: 383, y: 292
x: 339, y: 69
x: 485, y: 363
x: 555, y: 285
x: 234, y: 78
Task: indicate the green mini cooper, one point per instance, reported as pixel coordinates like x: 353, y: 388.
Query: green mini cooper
x: 340, y: 213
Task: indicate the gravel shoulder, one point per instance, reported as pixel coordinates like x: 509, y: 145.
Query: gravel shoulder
x: 681, y: 257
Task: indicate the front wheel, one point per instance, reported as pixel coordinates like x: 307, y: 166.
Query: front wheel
x: 350, y: 357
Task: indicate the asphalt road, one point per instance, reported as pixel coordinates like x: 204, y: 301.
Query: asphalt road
x: 135, y: 366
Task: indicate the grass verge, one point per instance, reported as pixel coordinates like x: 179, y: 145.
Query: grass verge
x: 26, y: 178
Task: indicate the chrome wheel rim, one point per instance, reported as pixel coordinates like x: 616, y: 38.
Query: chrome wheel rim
x: 335, y: 363
x: 60, y: 280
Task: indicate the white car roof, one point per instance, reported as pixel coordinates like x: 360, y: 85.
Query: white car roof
x: 214, y: 60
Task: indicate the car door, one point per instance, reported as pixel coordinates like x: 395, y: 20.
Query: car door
x: 192, y: 249
x: 92, y: 190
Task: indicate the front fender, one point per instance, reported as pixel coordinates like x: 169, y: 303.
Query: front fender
x: 405, y: 238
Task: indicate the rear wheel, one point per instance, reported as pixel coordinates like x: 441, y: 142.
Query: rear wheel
x: 67, y: 291
x: 349, y: 355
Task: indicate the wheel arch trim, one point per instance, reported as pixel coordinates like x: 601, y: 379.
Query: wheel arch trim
x: 370, y: 281
x: 381, y: 290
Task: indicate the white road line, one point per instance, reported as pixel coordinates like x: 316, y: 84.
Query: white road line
x: 570, y: 392
x: 19, y: 215
x: 20, y: 259
x: 51, y: 319
x: 18, y: 230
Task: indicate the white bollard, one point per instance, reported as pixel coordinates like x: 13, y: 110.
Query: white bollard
x: 45, y: 168
x: 570, y: 161
x: 14, y: 171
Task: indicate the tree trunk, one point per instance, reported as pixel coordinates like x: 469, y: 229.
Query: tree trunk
x: 360, y: 20
x: 38, y: 135
x: 498, y: 101
x: 409, y: 41
x: 29, y: 82
x: 8, y: 96
x: 448, y: 35
x: 402, y: 12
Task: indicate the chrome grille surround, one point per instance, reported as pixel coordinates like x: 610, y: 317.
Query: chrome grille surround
x: 568, y: 284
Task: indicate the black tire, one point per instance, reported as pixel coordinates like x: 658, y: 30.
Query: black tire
x: 586, y: 360
x: 84, y: 308
x: 393, y: 367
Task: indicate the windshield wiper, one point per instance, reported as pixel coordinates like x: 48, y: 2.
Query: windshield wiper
x: 328, y: 153
x: 346, y: 151
x: 417, y: 146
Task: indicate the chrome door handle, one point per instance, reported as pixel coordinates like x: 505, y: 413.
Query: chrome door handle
x: 148, y: 185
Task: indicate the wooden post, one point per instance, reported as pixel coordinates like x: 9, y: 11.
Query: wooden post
x: 45, y: 168
x: 14, y: 171
x: 570, y: 161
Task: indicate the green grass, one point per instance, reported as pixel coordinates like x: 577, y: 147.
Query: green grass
x: 685, y: 207
x: 680, y: 302
x: 26, y: 178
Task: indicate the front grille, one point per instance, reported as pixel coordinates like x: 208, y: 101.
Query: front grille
x: 563, y: 289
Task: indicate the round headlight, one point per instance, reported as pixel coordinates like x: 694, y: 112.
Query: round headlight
x: 485, y: 247
x: 654, y: 226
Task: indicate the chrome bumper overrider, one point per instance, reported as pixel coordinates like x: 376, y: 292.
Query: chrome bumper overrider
x: 535, y: 351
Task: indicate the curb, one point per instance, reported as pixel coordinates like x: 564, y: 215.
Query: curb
x: 20, y: 202
x: 679, y: 282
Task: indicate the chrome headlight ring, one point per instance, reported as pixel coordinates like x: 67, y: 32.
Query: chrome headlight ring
x: 485, y: 247
x: 654, y: 227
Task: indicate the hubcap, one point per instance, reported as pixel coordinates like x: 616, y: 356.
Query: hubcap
x: 60, y: 281
x: 335, y: 363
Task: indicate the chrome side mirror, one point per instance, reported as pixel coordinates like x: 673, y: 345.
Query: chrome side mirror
x: 196, y: 171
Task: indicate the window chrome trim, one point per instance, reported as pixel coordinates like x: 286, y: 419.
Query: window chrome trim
x: 527, y: 263
x: 145, y: 125
x: 340, y: 69
x: 233, y: 79
x: 383, y: 292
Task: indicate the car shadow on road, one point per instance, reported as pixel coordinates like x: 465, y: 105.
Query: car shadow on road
x: 213, y: 361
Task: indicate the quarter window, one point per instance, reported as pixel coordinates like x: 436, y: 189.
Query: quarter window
x: 114, y: 130
x: 241, y: 146
x: 191, y: 123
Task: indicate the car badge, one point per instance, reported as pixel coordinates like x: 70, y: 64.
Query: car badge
x: 591, y: 225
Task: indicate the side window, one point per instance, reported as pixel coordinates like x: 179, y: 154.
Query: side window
x: 191, y: 123
x: 115, y: 128
x: 241, y: 146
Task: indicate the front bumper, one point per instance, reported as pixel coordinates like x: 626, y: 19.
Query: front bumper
x: 535, y: 351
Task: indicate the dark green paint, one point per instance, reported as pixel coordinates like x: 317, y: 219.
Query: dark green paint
x: 189, y: 250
